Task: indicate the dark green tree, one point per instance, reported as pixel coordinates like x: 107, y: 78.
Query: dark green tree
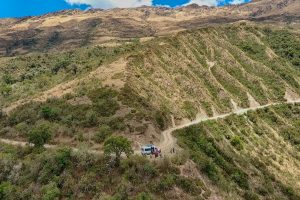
x: 40, y: 135
x: 117, y: 145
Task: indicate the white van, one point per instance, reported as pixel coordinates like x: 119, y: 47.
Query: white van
x: 147, y: 149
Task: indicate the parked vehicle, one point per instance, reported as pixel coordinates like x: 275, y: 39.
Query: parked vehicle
x: 147, y: 149
x: 150, y: 149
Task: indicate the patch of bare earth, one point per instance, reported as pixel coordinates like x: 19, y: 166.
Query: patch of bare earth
x: 291, y: 95
x: 252, y: 102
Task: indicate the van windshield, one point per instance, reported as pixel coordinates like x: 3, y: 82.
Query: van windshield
x: 147, y: 149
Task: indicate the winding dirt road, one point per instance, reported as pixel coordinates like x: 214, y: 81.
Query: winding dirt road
x: 168, y: 140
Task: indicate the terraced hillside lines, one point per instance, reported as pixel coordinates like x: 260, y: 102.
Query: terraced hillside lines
x: 178, y: 70
x: 257, y: 151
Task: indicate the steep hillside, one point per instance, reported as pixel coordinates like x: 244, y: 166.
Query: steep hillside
x: 251, y: 156
x: 71, y: 29
x: 214, y: 70
x: 75, y: 80
x: 135, y: 89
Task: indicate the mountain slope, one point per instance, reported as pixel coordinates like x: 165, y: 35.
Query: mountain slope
x: 252, y: 156
x: 70, y: 29
x: 196, y: 73
x: 82, y: 77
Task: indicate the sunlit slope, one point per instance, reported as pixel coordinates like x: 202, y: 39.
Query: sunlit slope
x: 216, y: 69
x: 205, y: 72
x: 254, y: 156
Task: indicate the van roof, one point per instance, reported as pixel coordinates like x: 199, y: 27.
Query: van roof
x: 148, y: 145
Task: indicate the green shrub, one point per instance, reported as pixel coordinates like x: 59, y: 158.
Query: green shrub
x: 285, y: 44
x: 22, y: 128
x: 49, y: 113
x: 165, y: 183
x: 138, y: 170
x: 236, y: 141
x: 7, y: 190
x: 251, y: 196
x: 8, y: 79
x: 5, y: 90
x: 106, y: 107
x: 241, y: 179
x: 161, y: 119
x: 50, y: 192
x: 210, y: 169
x: 189, y: 108
x: 53, y: 164
x: 116, y: 123
x: 91, y: 119
x: 188, y: 185
x: 144, y: 196
x: 40, y: 135
x: 102, y: 134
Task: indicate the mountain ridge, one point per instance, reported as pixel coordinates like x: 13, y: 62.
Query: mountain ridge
x: 74, y: 28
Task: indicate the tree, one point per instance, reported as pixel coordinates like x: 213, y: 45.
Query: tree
x: 40, y: 135
x: 117, y: 145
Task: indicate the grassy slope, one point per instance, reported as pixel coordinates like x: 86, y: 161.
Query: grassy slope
x: 28, y: 75
x: 255, y: 156
x: 62, y: 174
x: 195, y: 71
x: 209, y: 67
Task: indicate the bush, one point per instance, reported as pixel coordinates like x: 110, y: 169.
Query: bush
x: 161, y: 119
x: 116, y: 123
x: 237, y: 142
x: 50, y: 192
x: 8, y: 79
x: 53, y: 164
x: 189, y: 108
x: 106, y: 108
x: 103, y: 133
x: 285, y: 44
x: 188, y: 185
x: 138, y: 170
x: 241, y: 179
x: 49, y: 113
x: 91, y: 119
x: 251, y: 196
x: 165, y: 183
x: 144, y: 196
x: 5, y: 90
x: 40, y: 135
x: 210, y: 168
x: 7, y: 191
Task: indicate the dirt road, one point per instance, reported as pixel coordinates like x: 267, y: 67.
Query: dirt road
x: 168, y: 140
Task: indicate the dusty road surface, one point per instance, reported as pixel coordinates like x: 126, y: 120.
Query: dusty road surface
x: 168, y: 141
